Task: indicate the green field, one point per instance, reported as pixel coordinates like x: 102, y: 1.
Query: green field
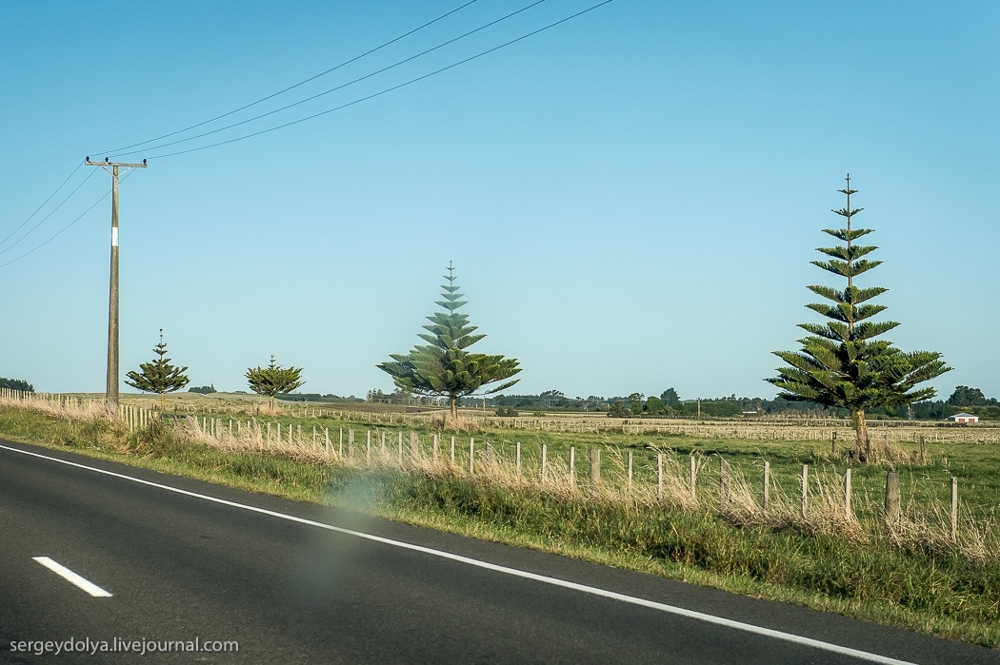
x: 908, y: 573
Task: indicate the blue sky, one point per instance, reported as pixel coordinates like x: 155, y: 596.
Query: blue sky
x: 631, y: 198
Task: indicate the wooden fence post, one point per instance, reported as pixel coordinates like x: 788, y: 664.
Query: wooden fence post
x: 922, y: 460
x: 572, y: 466
x: 629, y: 486
x: 435, y: 448
x: 954, y: 508
x: 595, y: 468
x: 472, y: 456
x: 453, y: 451
x: 350, y: 443
x: 659, y: 476
x: 544, y: 453
x: 891, y: 496
x: 517, y: 458
x: 767, y: 486
x: 693, y: 477
x: 341, y: 455
x: 414, y: 446
x: 723, y: 483
x: 368, y: 449
x: 847, y: 493
x: 399, y: 453
x: 804, y: 487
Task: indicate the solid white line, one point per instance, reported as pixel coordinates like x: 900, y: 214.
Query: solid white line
x: 632, y: 600
x: 68, y: 575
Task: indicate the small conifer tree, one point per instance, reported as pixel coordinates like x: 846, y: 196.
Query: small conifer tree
x: 158, y: 376
x: 274, y: 380
x: 443, y: 367
x: 841, y: 363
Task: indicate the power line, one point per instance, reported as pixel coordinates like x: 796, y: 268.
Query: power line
x: 386, y: 90
x: 43, y: 203
x: 288, y: 124
x: 291, y: 87
x: 336, y: 88
x: 60, y: 232
x: 219, y: 117
x: 52, y: 212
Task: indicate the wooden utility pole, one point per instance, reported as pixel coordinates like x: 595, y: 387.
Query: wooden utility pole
x: 111, y: 397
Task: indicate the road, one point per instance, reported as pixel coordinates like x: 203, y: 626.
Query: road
x: 181, y: 560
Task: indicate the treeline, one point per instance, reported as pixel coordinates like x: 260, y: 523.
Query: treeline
x: 670, y: 404
x: 16, y: 384
x: 316, y: 397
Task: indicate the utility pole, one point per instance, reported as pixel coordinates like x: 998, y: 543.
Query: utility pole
x: 111, y: 398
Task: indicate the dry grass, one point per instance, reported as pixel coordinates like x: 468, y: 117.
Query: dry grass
x: 919, y: 528
x: 738, y: 502
x: 58, y: 406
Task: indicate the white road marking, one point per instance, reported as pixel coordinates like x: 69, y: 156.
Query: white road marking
x: 68, y: 575
x: 544, y: 579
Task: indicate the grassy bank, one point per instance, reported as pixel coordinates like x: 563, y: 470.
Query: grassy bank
x: 844, y: 567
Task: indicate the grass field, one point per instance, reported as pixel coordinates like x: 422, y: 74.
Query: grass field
x: 908, y: 572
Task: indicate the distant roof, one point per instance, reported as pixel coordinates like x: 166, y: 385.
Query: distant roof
x: 964, y: 415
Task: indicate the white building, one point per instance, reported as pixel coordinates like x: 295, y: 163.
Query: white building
x: 963, y: 418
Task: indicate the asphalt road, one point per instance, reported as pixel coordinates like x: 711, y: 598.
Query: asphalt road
x: 296, y: 583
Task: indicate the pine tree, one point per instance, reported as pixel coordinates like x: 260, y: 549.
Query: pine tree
x: 158, y: 376
x: 841, y: 364
x: 443, y: 367
x: 274, y: 380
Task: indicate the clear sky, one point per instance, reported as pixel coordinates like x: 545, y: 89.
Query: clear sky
x: 631, y: 198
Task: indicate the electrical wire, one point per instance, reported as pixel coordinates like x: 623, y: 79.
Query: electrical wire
x: 287, y: 124
x: 52, y: 212
x: 21, y: 225
x: 336, y: 88
x: 387, y: 90
x: 65, y: 228
x: 291, y: 87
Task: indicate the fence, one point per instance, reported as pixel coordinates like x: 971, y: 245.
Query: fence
x: 686, y: 481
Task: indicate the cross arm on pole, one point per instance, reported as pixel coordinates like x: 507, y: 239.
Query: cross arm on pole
x: 126, y: 165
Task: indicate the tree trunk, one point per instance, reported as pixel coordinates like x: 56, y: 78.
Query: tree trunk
x: 163, y: 402
x: 453, y: 403
x: 862, y: 447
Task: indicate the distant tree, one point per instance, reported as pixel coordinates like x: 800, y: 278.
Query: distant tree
x: 635, y: 401
x: 444, y: 367
x: 841, y: 364
x: 17, y: 384
x: 377, y: 396
x: 274, y: 380
x: 158, y: 376
x: 619, y: 410
x: 653, y: 406
x: 204, y: 390
x: 670, y: 397
x: 966, y: 396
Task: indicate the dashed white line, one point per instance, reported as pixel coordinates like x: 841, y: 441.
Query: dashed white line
x: 544, y: 579
x: 68, y: 575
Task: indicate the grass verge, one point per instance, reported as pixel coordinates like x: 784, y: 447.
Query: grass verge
x: 940, y: 593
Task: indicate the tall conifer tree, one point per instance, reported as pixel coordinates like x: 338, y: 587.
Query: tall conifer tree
x: 841, y: 364
x: 274, y: 380
x: 443, y: 367
x: 158, y: 376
